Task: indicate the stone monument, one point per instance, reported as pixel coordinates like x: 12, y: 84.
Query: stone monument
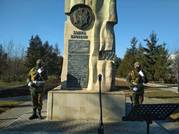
x: 89, y: 49
x: 89, y: 44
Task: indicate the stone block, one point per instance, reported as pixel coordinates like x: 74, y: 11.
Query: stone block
x: 84, y: 105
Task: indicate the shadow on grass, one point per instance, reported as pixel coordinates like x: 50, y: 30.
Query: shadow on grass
x: 22, y: 91
x: 120, y: 88
x: 17, y: 106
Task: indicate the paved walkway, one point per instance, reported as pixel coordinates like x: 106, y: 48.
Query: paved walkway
x: 15, y: 121
x: 22, y: 125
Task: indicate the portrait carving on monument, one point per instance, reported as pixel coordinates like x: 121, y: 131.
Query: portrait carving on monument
x: 82, y: 16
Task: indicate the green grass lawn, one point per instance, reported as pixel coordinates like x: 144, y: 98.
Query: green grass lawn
x: 160, y: 94
x: 150, y: 92
x: 4, y: 85
x: 52, y: 81
x: 5, y: 105
x: 156, y: 93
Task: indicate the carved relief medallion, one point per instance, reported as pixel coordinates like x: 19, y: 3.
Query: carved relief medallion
x: 81, y: 16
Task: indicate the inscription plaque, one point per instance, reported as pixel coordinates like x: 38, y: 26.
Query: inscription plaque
x: 78, y: 60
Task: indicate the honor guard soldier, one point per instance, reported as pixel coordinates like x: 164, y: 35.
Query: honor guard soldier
x: 36, y: 81
x: 136, y: 78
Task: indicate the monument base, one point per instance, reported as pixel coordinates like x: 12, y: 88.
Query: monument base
x: 84, y: 105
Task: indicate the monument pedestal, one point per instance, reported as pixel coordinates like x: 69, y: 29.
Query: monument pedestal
x: 84, y: 105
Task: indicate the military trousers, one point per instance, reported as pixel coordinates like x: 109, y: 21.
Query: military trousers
x: 37, y: 97
x: 137, y: 98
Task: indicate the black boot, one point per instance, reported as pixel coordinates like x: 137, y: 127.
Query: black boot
x: 39, y: 114
x: 34, y: 115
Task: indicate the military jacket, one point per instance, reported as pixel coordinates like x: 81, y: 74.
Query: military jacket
x: 33, y: 75
x: 135, y: 80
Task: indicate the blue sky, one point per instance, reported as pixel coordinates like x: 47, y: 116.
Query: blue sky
x: 20, y: 19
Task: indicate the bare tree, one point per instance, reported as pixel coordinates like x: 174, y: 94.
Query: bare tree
x: 15, y: 63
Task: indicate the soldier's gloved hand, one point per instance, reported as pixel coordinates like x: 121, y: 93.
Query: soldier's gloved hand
x: 141, y: 73
x: 135, y: 89
x: 30, y: 84
x: 40, y: 70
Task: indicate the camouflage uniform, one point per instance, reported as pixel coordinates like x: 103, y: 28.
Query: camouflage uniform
x: 36, y: 83
x: 136, y: 85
